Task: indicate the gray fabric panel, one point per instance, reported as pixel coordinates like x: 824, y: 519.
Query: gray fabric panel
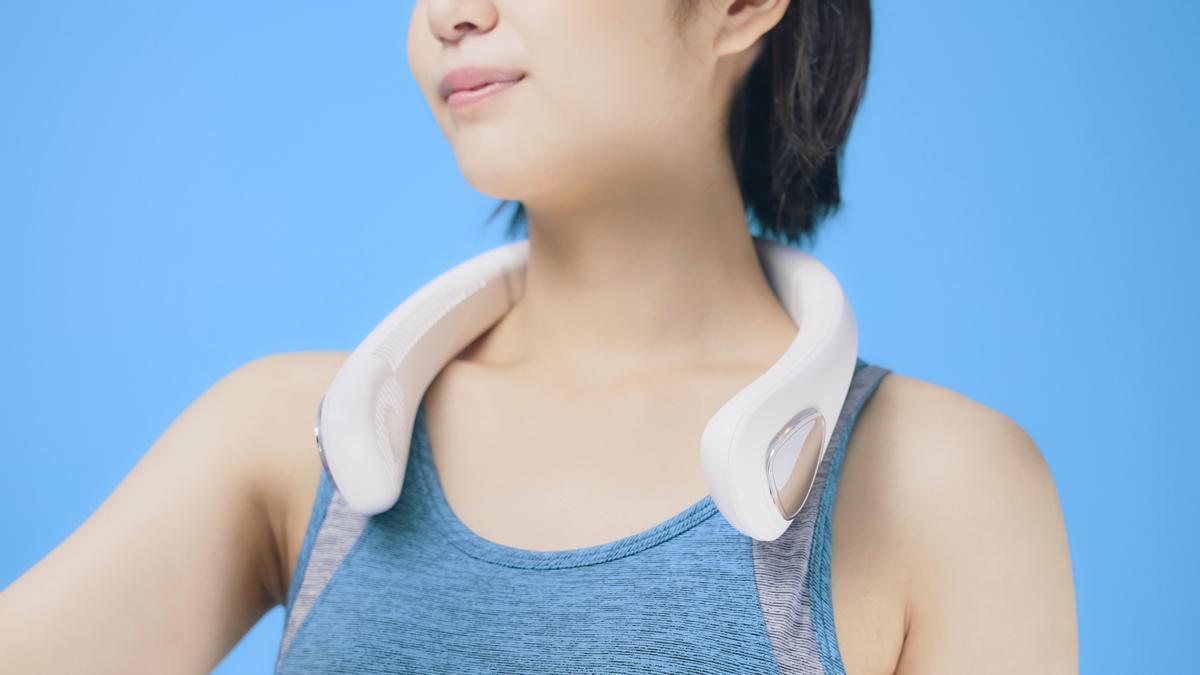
x: 781, y: 566
x: 340, y: 529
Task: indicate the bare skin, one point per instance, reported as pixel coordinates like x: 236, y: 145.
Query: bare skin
x: 644, y: 309
x: 950, y: 552
x: 949, y: 548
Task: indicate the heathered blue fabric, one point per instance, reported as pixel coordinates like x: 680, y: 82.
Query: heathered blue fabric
x: 820, y: 568
x: 414, y: 590
x: 315, y: 519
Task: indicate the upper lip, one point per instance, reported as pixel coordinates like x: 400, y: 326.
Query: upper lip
x: 470, y: 77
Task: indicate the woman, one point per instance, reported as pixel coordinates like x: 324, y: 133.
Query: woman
x: 635, y: 135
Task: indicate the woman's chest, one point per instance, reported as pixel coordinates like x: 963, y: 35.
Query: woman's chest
x: 713, y: 590
x: 417, y: 592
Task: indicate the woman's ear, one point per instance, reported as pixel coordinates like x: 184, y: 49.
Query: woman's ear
x: 742, y: 23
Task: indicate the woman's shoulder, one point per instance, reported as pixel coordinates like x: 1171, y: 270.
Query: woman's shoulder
x: 927, y: 443
x: 932, y: 425
x: 950, y: 504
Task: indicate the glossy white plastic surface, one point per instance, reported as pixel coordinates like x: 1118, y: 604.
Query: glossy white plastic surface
x: 365, y: 419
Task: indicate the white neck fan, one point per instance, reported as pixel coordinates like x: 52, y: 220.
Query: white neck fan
x: 760, y: 451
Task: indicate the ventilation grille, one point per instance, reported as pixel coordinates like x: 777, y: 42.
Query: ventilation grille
x: 401, y: 340
x: 391, y: 402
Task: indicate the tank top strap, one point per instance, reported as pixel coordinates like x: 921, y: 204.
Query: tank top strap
x: 333, y: 529
x: 793, y: 572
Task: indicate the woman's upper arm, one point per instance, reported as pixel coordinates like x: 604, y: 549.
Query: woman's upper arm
x: 991, y: 588
x: 180, y: 560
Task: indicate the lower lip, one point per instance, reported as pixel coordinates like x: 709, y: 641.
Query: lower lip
x: 466, y: 97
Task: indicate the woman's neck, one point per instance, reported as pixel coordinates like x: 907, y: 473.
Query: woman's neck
x: 660, y: 278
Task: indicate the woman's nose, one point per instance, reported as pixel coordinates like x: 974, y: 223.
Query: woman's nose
x: 450, y: 20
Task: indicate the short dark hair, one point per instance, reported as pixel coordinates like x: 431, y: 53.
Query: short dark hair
x: 790, y: 116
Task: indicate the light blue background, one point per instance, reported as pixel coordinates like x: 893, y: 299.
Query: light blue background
x: 187, y: 186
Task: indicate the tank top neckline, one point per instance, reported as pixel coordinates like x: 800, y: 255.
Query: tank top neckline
x: 456, y: 532
x: 462, y: 537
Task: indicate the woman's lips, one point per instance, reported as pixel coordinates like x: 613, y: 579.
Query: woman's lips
x: 466, y: 97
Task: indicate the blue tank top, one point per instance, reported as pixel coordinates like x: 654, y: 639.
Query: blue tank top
x: 414, y: 590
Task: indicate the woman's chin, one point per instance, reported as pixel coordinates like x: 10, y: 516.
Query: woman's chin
x: 500, y: 180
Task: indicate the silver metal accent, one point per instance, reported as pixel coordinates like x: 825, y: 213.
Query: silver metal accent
x: 320, y: 445
x: 798, y: 444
